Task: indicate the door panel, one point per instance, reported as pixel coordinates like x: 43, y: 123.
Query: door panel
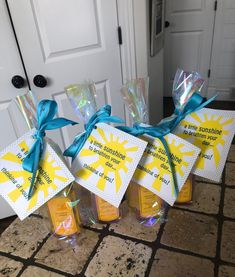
x: 72, y: 38
x: 188, y: 39
x: 70, y: 41
x: 223, y: 53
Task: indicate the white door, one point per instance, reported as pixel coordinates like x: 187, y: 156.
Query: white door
x: 10, y: 65
x: 222, y: 80
x: 68, y: 42
x: 188, y: 38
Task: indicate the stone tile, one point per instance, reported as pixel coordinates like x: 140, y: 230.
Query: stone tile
x: 231, y: 154
x: 230, y: 174
x: 65, y: 257
x: 22, y: 238
x: 226, y: 271
x: 206, y: 198
x: 229, y: 203
x: 34, y: 271
x: 119, y: 257
x: 228, y: 242
x: 129, y: 226
x: 168, y: 263
x: 202, y: 179
x: 9, y: 267
x: 189, y: 231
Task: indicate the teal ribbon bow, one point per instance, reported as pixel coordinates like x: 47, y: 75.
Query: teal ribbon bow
x: 102, y: 115
x: 195, y: 103
x: 46, y: 111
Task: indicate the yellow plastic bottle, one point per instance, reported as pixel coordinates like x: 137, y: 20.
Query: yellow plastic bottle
x: 105, y: 211
x: 146, y: 203
x: 92, y: 208
x: 64, y: 217
x: 185, y: 195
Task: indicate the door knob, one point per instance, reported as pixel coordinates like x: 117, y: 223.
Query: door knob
x: 18, y: 81
x: 167, y: 24
x: 40, y: 81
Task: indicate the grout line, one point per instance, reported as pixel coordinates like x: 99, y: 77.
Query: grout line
x: 30, y: 260
x: 13, y: 257
x: 155, y: 245
x: 230, y: 162
x: 230, y: 186
x: 192, y: 211
x: 102, y: 235
x: 52, y: 269
x: 133, y: 239
x: 220, y: 226
x: 93, y: 228
x: 228, y: 219
x: 227, y: 263
x: 209, y: 183
x: 185, y: 252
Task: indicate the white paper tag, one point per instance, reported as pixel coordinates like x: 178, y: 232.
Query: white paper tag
x: 53, y: 176
x: 153, y: 171
x: 107, y: 162
x: 212, y: 131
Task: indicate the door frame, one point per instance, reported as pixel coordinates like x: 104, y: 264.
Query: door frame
x: 132, y: 17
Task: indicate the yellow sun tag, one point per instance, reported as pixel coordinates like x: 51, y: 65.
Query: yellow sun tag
x: 153, y: 171
x: 53, y: 176
x: 107, y: 162
x: 212, y: 131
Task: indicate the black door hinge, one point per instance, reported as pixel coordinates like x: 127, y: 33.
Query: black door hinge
x: 119, y: 35
x: 209, y: 73
x: 215, y: 5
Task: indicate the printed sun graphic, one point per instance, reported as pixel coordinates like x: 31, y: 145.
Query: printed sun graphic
x: 45, y: 179
x: 207, y: 134
x: 110, y: 162
x: 160, y: 165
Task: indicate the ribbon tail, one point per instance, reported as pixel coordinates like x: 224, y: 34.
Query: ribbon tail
x: 73, y: 150
x: 32, y: 185
x: 206, y: 102
x: 35, y: 158
x: 130, y: 130
x: 175, y: 188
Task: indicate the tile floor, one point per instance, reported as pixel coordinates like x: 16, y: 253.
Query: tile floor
x: 196, y: 240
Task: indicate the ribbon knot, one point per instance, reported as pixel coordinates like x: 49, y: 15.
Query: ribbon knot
x: 102, y: 115
x: 40, y: 134
x: 46, y: 112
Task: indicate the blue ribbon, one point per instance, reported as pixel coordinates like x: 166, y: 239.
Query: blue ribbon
x: 195, y: 103
x: 102, y: 115
x: 46, y: 111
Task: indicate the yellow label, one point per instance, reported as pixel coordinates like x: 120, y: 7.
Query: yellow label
x: 106, y: 212
x: 149, y: 203
x: 132, y: 195
x: 185, y: 195
x: 62, y: 216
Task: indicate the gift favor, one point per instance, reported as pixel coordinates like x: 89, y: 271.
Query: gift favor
x: 31, y: 171
x: 165, y: 165
x: 104, y: 158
